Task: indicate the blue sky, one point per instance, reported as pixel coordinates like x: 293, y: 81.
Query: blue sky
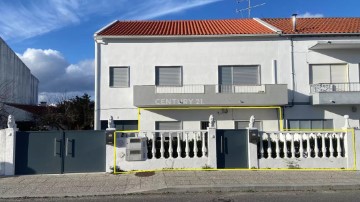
x: 55, y: 37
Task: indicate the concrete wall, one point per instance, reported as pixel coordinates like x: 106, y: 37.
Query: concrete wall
x: 17, y: 84
x: 16, y: 78
x: 2, y: 152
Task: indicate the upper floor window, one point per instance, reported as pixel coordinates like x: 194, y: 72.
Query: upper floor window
x: 329, y: 73
x: 119, y: 77
x: 168, y: 76
x: 239, y: 75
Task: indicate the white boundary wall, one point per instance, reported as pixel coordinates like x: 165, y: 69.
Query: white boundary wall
x: 205, y: 161
x: 7, y: 151
x: 2, y: 152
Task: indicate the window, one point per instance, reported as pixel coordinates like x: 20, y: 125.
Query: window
x: 121, y: 124
x: 239, y: 75
x: 119, y: 77
x: 328, y: 74
x: 310, y: 124
x: 168, y: 76
x: 168, y: 125
x: 245, y: 124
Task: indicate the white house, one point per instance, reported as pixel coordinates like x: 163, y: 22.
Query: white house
x: 293, y: 73
x: 17, y: 85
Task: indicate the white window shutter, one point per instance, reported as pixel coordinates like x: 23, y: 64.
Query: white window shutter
x: 320, y: 74
x: 246, y: 75
x: 168, y: 76
x: 119, y: 76
x: 168, y: 125
x: 338, y: 74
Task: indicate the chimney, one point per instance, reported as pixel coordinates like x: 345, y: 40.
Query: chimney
x: 294, y: 22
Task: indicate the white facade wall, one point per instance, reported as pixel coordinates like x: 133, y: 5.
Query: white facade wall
x: 200, y: 59
x: 303, y: 58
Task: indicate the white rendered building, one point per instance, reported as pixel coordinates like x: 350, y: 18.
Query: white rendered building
x: 289, y: 73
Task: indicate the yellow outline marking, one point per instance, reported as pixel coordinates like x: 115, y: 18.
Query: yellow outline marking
x: 281, y: 125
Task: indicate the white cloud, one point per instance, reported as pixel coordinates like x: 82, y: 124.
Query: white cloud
x: 310, y: 15
x: 25, y: 19
x: 56, y: 74
x: 158, y: 8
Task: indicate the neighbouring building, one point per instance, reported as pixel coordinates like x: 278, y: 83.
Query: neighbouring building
x: 17, y: 86
x: 180, y: 72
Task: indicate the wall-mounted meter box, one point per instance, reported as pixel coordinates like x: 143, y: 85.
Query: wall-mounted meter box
x: 136, y: 149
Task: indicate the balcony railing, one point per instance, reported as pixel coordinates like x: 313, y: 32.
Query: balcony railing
x: 180, y: 89
x: 196, y: 89
x: 240, y: 88
x: 334, y: 87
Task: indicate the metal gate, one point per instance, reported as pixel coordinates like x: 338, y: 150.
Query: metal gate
x: 232, y: 148
x: 54, y: 152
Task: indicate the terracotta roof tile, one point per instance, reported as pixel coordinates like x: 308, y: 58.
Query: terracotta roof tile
x: 185, y: 27
x: 316, y: 25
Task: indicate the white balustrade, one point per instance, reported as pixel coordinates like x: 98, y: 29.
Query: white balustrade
x: 313, y: 147
x: 316, y: 148
x: 277, y: 149
x: 338, y: 147
x: 178, y: 149
x: 195, y: 145
x: 269, y: 150
x: 174, y: 149
x: 331, y: 148
x: 203, y: 149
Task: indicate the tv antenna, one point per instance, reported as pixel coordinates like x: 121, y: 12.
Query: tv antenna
x: 249, y: 7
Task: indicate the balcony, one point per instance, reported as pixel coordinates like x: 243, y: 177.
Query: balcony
x: 210, y: 95
x: 335, y: 93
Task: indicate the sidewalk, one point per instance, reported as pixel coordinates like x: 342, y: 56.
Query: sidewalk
x: 175, y: 181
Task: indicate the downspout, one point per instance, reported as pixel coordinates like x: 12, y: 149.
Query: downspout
x: 97, y: 86
x: 292, y: 73
x: 294, y: 29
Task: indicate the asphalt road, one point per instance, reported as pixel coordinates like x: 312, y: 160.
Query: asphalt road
x: 327, y: 196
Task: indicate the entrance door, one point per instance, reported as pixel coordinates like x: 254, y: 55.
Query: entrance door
x: 232, y: 148
x: 84, y: 151
x: 58, y: 152
x: 38, y: 152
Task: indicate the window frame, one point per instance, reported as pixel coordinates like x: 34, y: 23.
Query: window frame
x: 311, y: 124
x: 311, y: 75
x: 258, y: 66
x: 128, y: 76
x: 247, y: 121
x: 169, y: 66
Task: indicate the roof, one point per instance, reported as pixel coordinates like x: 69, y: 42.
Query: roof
x: 34, y: 109
x: 316, y: 25
x: 185, y: 28
x: 231, y: 27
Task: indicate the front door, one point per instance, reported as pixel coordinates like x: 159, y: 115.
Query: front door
x: 232, y: 148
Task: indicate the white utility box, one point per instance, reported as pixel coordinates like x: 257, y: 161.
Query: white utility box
x: 136, y: 148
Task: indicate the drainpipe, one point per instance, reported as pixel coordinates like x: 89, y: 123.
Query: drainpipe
x: 97, y: 86
x: 292, y: 72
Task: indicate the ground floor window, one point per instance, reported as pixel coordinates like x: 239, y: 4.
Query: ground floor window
x: 121, y: 124
x: 245, y: 124
x: 168, y: 125
x: 310, y: 124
